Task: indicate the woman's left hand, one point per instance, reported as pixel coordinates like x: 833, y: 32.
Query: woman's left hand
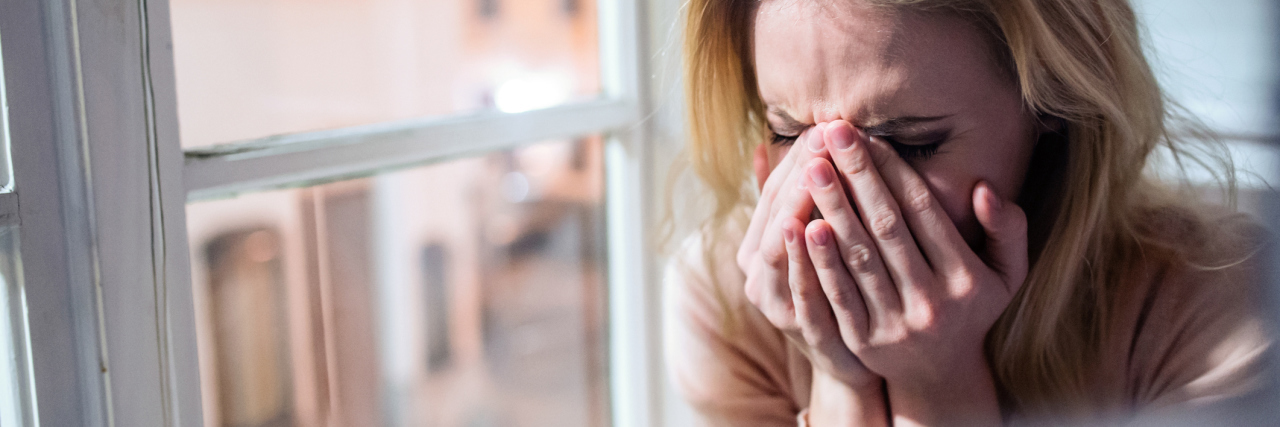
x: 926, y: 299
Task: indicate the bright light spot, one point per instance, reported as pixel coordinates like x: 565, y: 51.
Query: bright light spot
x: 532, y: 92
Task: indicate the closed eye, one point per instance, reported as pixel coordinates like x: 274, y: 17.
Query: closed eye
x: 783, y: 140
x: 911, y: 152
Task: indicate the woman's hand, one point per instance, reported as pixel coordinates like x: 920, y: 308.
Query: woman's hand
x: 910, y: 298
x: 783, y: 284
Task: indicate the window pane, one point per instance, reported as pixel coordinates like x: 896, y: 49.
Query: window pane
x: 467, y: 293
x: 254, y: 68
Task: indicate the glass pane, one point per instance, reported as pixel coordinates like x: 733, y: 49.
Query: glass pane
x: 15, y: 380
x: 254, y: 68
x: 467, y: 293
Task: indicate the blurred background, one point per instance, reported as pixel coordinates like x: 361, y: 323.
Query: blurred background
x: 463, y: 293
x: 473, y: 292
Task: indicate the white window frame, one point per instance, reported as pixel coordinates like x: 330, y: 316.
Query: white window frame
x: 102, y: 185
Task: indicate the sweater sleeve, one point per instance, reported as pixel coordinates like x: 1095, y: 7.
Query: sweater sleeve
x: 725, y: 359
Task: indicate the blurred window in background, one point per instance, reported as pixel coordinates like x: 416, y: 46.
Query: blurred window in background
x: 465, y: 293
x: 249, y: 69
x: 1218, y: 60
x: 470, y: 292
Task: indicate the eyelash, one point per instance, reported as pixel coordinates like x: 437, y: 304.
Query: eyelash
x: 905, y: 151
x: 782, y: 140
x: 911, y: 152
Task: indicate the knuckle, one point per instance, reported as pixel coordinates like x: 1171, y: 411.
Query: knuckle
x: 964, y: 278
x: 887, y: 335
x: 886, y: 225
x: 859, y: 258
x: 918, y: 199
x: 858, y: 163
x: 843, y: 298
x: 925, y: 318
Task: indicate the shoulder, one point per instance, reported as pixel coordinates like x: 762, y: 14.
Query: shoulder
x: 723, y: 356
x: 702, y: 277
x: 1195, y: 329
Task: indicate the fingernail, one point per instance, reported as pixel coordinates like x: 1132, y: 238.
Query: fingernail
x: 841, y: 137
x: 816, y: 144
x: 821, y: 236
x: 789, y: 234
x: 819, y: 176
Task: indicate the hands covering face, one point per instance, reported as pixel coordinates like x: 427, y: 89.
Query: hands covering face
x: 883, y: 285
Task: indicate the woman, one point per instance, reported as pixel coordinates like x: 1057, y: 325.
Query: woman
x: 987, y: 247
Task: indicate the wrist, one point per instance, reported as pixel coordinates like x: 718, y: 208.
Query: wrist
x: 965, y: 395
x: 836, y: 402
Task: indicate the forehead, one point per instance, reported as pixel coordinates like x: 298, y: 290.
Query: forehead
x: 824, y: 60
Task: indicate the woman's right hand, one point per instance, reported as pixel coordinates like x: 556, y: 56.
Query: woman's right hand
x: 780, y: 278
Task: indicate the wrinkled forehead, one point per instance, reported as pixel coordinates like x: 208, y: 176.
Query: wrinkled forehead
x: 827, y: 59
x: 802, y: 48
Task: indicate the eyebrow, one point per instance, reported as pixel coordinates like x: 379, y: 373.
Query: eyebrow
x: 898, y: 124
x: 887, y: 127
x: 788, y: 123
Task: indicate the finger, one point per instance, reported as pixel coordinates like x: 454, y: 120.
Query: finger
x: 939, y: 240
x: 763, y: 210
x: 848, y: 307
x: 809, y: 146
x: 857, y: 252
x: 796, y: 205
x: 763, y: 283
x: 881, y: 216
x: 814, y: 318
x: 1006, y: 228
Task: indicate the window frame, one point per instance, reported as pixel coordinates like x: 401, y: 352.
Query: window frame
x: 101, y: 187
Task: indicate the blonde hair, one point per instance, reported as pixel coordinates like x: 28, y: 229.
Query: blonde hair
x: 1080, y: 61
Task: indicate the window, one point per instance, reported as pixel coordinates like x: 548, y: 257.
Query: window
x: 341, y: 272
x: 338, y: 122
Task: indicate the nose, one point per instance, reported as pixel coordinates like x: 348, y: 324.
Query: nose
x: 827, y: 112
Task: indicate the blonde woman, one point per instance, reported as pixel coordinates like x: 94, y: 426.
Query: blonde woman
x: 953, y: 224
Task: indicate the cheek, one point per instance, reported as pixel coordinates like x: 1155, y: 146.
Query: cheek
x: 776, y: 153
x: 952, y: 181
x: 953, y: 190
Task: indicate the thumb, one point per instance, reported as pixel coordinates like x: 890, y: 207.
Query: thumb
x: 760, y: 162
x: 1006, y: 229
